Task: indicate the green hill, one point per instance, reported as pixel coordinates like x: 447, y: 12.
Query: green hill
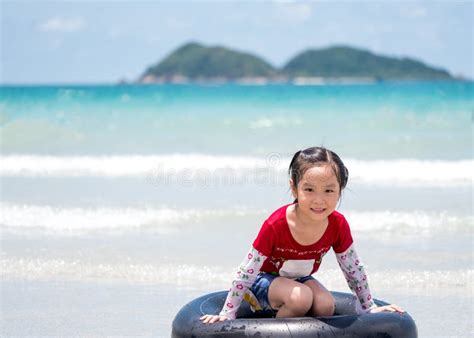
x: 195, y: 61
x: 342, y: 61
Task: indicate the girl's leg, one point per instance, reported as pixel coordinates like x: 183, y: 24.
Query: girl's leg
x: 290, y: 298
x: 323, y: 302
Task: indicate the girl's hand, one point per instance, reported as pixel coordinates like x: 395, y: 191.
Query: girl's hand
x: 387, y: 308
x: 210, y: 319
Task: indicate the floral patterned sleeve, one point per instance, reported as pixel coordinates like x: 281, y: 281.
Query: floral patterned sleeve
x: 246, y: 275
x: 354, y: 272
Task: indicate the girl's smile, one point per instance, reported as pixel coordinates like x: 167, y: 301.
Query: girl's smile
x: 318, y: 210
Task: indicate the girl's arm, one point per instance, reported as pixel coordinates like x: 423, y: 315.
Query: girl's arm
x: 246, y: 275
x: 356, y: 278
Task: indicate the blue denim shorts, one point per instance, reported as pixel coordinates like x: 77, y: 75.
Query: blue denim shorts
x: 262, y: 284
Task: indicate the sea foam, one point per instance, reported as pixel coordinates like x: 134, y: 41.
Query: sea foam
x: 23, y: 218
x: 199, y: 168
x: 198, y: 276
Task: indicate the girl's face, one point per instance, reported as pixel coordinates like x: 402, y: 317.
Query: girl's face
x: 317, y: 192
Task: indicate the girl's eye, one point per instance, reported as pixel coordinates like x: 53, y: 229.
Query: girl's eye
x: 308, y: 189
x: 329, y: 190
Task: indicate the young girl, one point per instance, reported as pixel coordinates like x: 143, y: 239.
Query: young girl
x: 276, y: 274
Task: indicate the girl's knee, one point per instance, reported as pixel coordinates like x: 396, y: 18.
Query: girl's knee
x: 295, y: 297
x: 324, y: 304
x: 300, y: 299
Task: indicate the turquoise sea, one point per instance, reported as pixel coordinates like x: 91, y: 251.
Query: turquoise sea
x: 121, y: 203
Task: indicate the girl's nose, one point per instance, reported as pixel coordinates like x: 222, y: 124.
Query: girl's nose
x: 318, y: 197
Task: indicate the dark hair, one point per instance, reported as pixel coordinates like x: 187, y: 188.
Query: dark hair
x: 314, y: 156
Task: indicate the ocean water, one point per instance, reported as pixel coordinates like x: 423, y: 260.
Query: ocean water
x: 120, y: 204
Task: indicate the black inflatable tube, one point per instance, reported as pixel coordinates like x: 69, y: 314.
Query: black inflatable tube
x: 345, y: 322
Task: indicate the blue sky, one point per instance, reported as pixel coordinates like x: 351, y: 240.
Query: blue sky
x: 104, y: 41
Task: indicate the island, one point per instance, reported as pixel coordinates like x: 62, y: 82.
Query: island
x: 194, y: 62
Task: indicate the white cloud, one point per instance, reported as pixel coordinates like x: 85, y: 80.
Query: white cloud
x: 62, y: 25
x: 293, y: 12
